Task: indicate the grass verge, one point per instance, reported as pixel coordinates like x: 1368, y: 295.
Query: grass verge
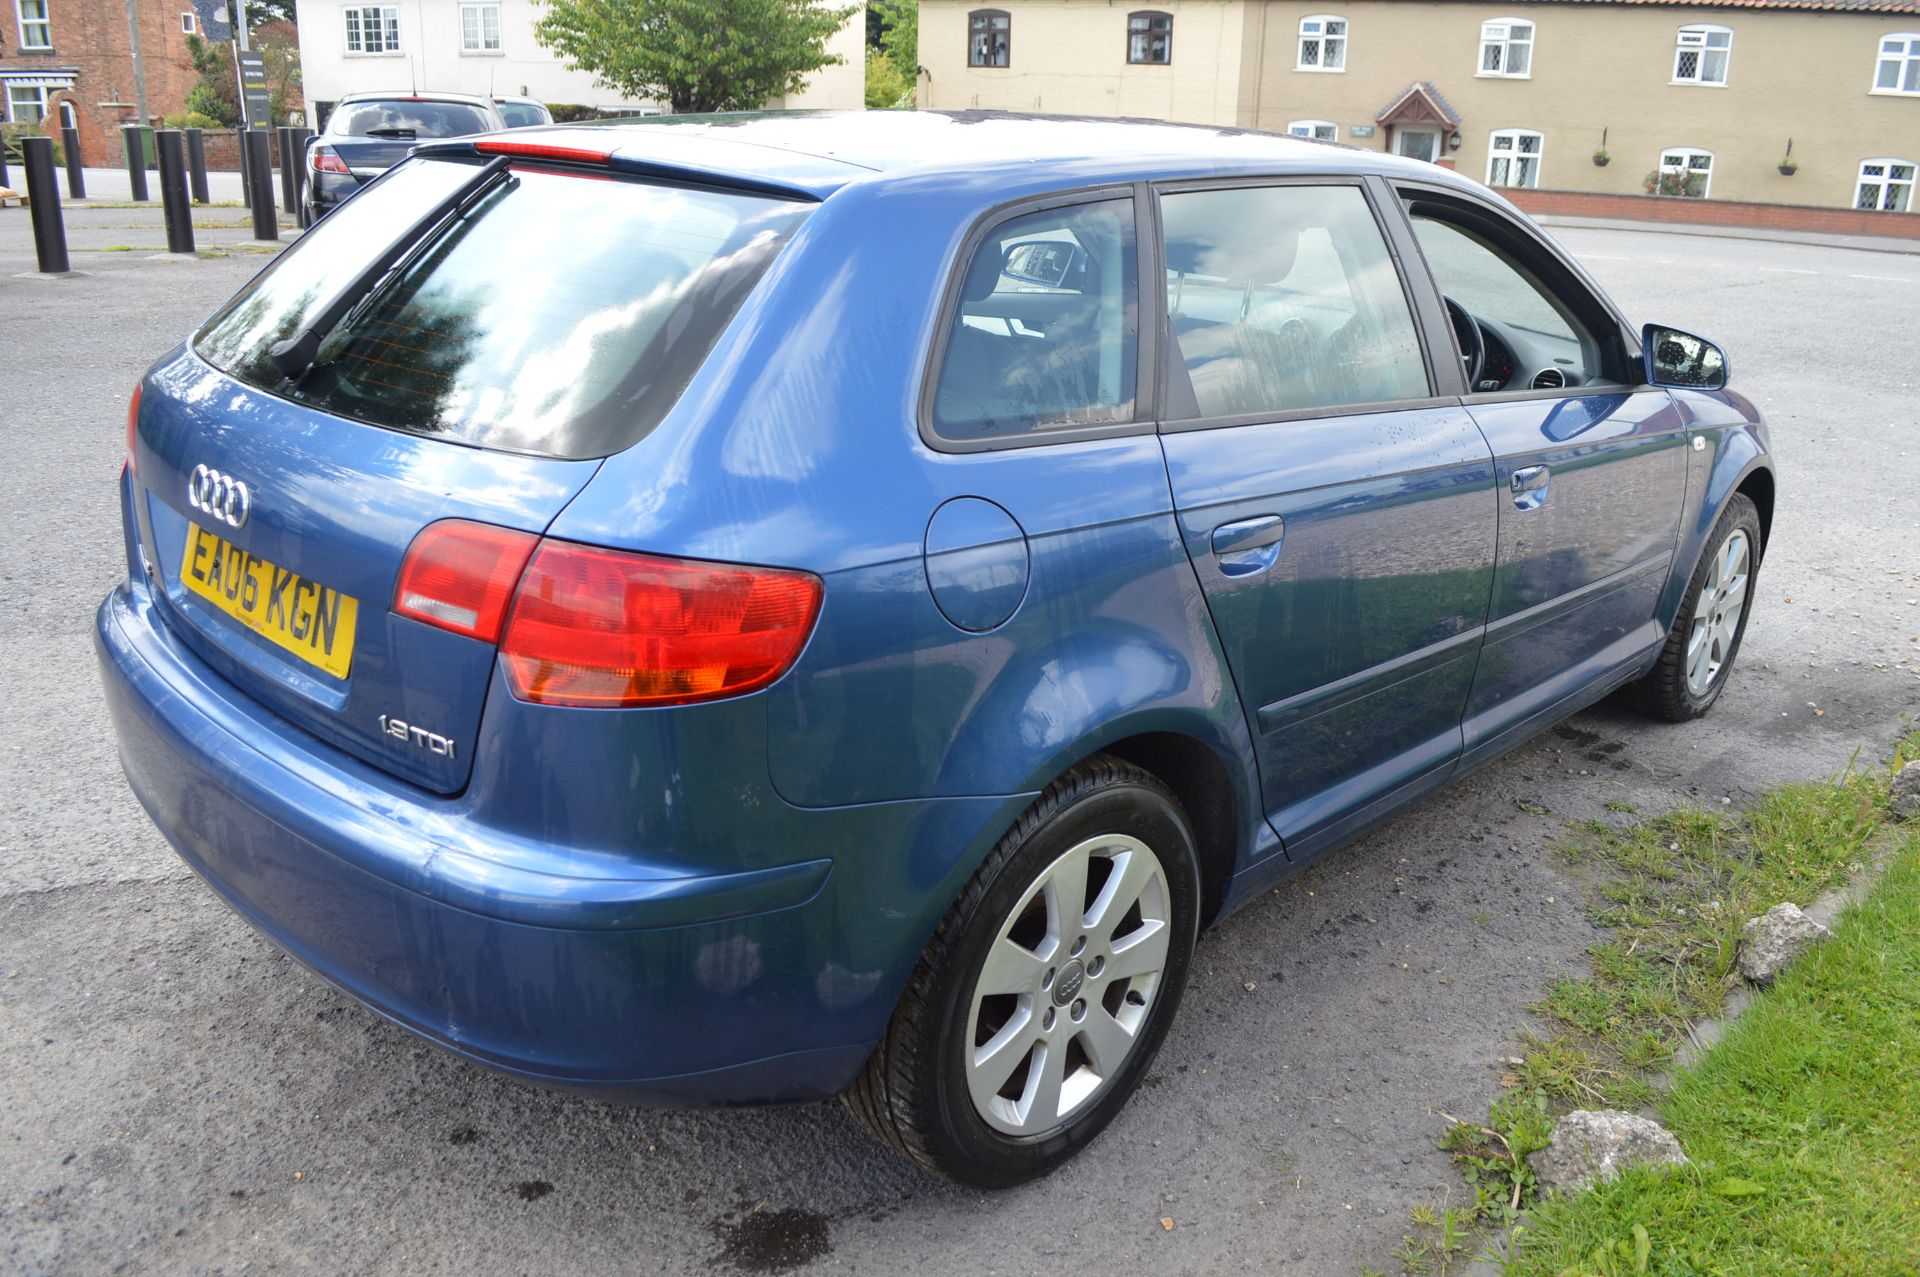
x: 1803, y: 1126
x: 1673, y: 893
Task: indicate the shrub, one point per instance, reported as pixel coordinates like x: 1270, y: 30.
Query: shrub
x: 570, y: 112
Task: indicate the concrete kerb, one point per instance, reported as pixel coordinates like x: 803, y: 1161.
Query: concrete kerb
x: 1859, y: 243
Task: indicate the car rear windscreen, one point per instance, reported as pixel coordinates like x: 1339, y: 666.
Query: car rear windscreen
x: 403, y: 118
x: 561, y: 315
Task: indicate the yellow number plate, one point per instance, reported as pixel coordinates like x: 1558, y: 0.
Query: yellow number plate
x: 304, y: 617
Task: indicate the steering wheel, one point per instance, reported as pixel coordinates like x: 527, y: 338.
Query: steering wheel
x: 1473, y: 348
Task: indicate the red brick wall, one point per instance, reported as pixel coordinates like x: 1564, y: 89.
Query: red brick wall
x: 90, y: 36
x: 1653, y: 208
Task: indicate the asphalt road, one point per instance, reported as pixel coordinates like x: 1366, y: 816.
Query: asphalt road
x: 177, y: 1097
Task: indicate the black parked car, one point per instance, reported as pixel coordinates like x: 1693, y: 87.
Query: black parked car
x: 369, y: 133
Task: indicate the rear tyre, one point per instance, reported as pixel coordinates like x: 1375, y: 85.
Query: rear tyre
x: 1043, y: 996
x: 1698, y: 656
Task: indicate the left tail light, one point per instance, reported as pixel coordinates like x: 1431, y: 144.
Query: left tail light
x: 133, y: 428
x: 459, y: 575
x: 325, y: 159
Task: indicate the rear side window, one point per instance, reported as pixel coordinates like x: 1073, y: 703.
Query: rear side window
x: 405, y: 120
x: 1047, y: 334
x: 521, y: 115
x: 1283, y: 299
x: 561, y: 316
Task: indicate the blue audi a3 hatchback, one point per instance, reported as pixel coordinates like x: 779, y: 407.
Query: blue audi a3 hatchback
x: 752, y: 609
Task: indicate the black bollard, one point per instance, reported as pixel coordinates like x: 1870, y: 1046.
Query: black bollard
x: 173, y: 190
x: 4, y: 179
x: 76, y: 173
x: 132, y: 135
x: 197, y: 165
x: 49, y: 232
x: 301, y: 135
x: 245, y: 165
x: 266, y: 222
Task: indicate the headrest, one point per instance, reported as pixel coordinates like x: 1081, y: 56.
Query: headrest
x: 984, y: 274
x: 1239, y: 251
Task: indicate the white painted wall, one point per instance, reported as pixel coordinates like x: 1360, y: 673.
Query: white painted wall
x: 430, y: 57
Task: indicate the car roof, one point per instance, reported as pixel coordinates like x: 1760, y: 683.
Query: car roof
x: 850, y: 145
x: 413, y: 95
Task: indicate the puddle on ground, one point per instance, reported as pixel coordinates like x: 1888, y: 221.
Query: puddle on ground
x: 772, y: 1241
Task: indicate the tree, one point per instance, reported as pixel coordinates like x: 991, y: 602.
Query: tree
x: 696, y: 55
x: 893, y: 53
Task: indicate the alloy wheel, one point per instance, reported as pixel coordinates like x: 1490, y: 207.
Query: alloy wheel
x: 1717, y: 612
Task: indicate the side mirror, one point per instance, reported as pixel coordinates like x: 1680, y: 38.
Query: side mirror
x: 1050, y: 263
x: 1680, y: 359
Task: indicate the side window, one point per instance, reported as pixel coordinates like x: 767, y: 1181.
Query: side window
x: 1524, y: 333
x: 1047, y: 336
x: 1284, y: 298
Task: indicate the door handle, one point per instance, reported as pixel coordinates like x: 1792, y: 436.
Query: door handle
x: 1530, y: 487
x: 1251, y: 545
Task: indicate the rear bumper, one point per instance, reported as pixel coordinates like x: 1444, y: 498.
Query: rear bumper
x: 664, y: 986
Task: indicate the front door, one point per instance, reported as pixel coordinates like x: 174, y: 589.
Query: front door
x: 1341, y: 519
x: 1592, y: 472
x: 1417, y: 144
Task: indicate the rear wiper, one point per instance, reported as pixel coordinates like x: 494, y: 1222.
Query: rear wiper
x: 408, y: 134
x: 294, y: 357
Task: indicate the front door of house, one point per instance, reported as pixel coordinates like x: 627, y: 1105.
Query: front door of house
x: 1417, y: 144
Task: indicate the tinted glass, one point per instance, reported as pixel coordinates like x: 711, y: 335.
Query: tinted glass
x: 521, y: 115
x: 1283, y: 298
x: 562, y: 315
x: 1047, y: 335
x: 404, y: 120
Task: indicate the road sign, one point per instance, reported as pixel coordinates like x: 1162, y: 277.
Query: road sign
x: 256, y: 101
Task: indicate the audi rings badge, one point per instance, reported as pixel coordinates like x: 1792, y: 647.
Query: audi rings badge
x: 220, y: 495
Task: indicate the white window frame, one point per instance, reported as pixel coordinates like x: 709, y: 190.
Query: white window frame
x: 1497, y: 33
x: 44, y: 23
x: 1697, y: 39
x: 13, y: 87
x: 1905, y: 59
x: 189, y: 25
x: 1513, y: 155
x: 1885, y: 182
x: 480, y: 9
x: 354, y: 18
x: 1688, y: 154
x: 1314, y: 27
x: 1321, y: 130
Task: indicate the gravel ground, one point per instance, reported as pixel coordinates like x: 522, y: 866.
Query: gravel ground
x: 177, y: 1097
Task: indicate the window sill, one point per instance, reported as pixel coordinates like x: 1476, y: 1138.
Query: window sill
x: 397, y: 53
x: 483, y: 53
x: 1697, y: 84
x: 1500, y: 75
x: 1132, y: 63
x: 1893, y: 93
x: 1321, y: 70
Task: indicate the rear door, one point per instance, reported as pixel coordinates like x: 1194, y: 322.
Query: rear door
x: 1592, y: 470
x: 1339, y: 512
x: 482, y: 381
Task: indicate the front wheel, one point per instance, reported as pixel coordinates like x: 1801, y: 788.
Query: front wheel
x: 1044, y: 995
x: 1693, y: 666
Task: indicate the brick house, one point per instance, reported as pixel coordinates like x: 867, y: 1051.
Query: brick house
x: 73, y: 58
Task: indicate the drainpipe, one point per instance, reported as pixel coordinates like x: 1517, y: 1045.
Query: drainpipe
x: 139, y: 68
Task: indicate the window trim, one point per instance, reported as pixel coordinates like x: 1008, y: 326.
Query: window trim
x: 45, y: 22
x: 499, y: 31
x: 989, y: 14
x: 1506, y: 44
x: 1540, y: 250
x: 1539, y: 157
x: 1880, y: 55
x: 1301, y: 35
x: 1311, y: 125
x: 1912, y: 184
x: 1148, y: 14
x: 1680, y: 47
x: 1441, y: 392
x: 6, y: 102
x: 360, y: 11
x: 189, y: 23
x: 1706, y: 187
x: 1146, y: 397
